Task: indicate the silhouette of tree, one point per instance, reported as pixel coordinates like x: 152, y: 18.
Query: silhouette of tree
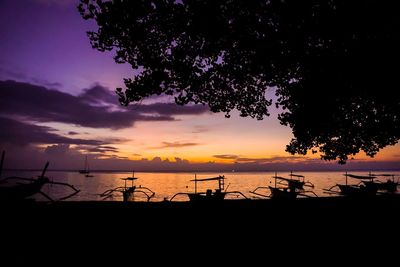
x: 333, y: 63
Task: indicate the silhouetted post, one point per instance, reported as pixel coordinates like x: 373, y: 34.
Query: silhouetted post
x: 195, y: 183
x: 346, y: 178
x: 276, y: 174
x: 45, y: 169
x: 2, y: 161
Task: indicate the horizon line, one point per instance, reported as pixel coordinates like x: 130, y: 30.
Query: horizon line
x: 203, y: 171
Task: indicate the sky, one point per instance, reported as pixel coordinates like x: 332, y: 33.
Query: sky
x: 57, y: 104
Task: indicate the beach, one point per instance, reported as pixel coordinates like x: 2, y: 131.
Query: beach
x: 117, y: 232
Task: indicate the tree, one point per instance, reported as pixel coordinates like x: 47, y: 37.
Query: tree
x: 333, y: 63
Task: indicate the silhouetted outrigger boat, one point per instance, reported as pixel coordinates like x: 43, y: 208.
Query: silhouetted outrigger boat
x: 19, y: 188
x: 128, y: 192
x: 359, y: 189
x: 390, y: 186
x: 293, y: 187
x: 209, y: 196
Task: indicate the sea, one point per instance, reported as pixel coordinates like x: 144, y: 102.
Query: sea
x: 166, y: 184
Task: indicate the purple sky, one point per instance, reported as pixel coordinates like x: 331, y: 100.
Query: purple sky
x: 45, y: 42
x: 57, y: 104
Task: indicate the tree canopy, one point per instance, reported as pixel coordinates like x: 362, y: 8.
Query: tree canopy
x: 333, y: 63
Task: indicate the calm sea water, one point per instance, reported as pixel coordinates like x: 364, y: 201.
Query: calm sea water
x: 165, y: 185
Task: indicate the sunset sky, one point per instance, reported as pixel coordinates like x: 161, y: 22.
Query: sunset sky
x: 57, y: 104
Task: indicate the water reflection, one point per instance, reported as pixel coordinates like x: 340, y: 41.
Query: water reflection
x: 167, y: 184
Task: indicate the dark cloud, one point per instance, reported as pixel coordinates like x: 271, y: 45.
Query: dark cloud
x: 96, y: 107
x: 21, y: 133
x: 98, y: 95
x: 98, y: 149
x: 175, y: 144
x: 13, y: 74
x: 226, y: 156
x: 72, y: 133
x: 57, y: 150
x: 65, y: 157
x: 276, y: 159
x: 181, y: 161
x: 169, y: 109
x: 46, y: 83
x: 114, y: 140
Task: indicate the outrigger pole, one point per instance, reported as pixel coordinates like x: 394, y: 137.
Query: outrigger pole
x: 195, y: 184
x: 44, y: 170
x: 2, y: 161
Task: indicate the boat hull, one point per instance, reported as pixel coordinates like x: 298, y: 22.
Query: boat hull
x: 352, y: 190
x: 19, y: 191
x: 277, y: 193
x: 200, y: 197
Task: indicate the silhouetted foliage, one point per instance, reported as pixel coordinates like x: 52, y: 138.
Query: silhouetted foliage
x: 334, y: 64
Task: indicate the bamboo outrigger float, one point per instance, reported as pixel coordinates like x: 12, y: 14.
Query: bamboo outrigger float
x: 209, y: 196
x: 128, y: 192
x: 292, y: 187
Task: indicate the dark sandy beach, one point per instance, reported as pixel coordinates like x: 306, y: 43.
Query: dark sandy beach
x: 305, y: 211
x: 249, y: 229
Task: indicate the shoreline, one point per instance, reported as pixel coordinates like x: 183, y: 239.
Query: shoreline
x: 315, y: 204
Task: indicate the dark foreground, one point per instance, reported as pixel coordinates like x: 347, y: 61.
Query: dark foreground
x: 112, y: 229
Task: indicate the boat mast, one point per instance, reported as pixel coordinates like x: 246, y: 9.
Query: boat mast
x: 2, y: 161
x: 44, y: 170
x: 86, y: 164
x: 195, y: 184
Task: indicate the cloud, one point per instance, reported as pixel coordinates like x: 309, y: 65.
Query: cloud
x: 46, y: 83
x: 200, y: 129
x: 169, y: 109
x: 68, y: 157
x: 98, y: 149
x: 57, y: 150
x: 11, y: 73
x: 59, y: 3
x: 98, y: 95
x: 226, y: 156
x: 175, y: 145
x: 7, y: 72
x: 72, y: 133
x: 21, y: 133
x: 96, y: 107
x: 276, y: 159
